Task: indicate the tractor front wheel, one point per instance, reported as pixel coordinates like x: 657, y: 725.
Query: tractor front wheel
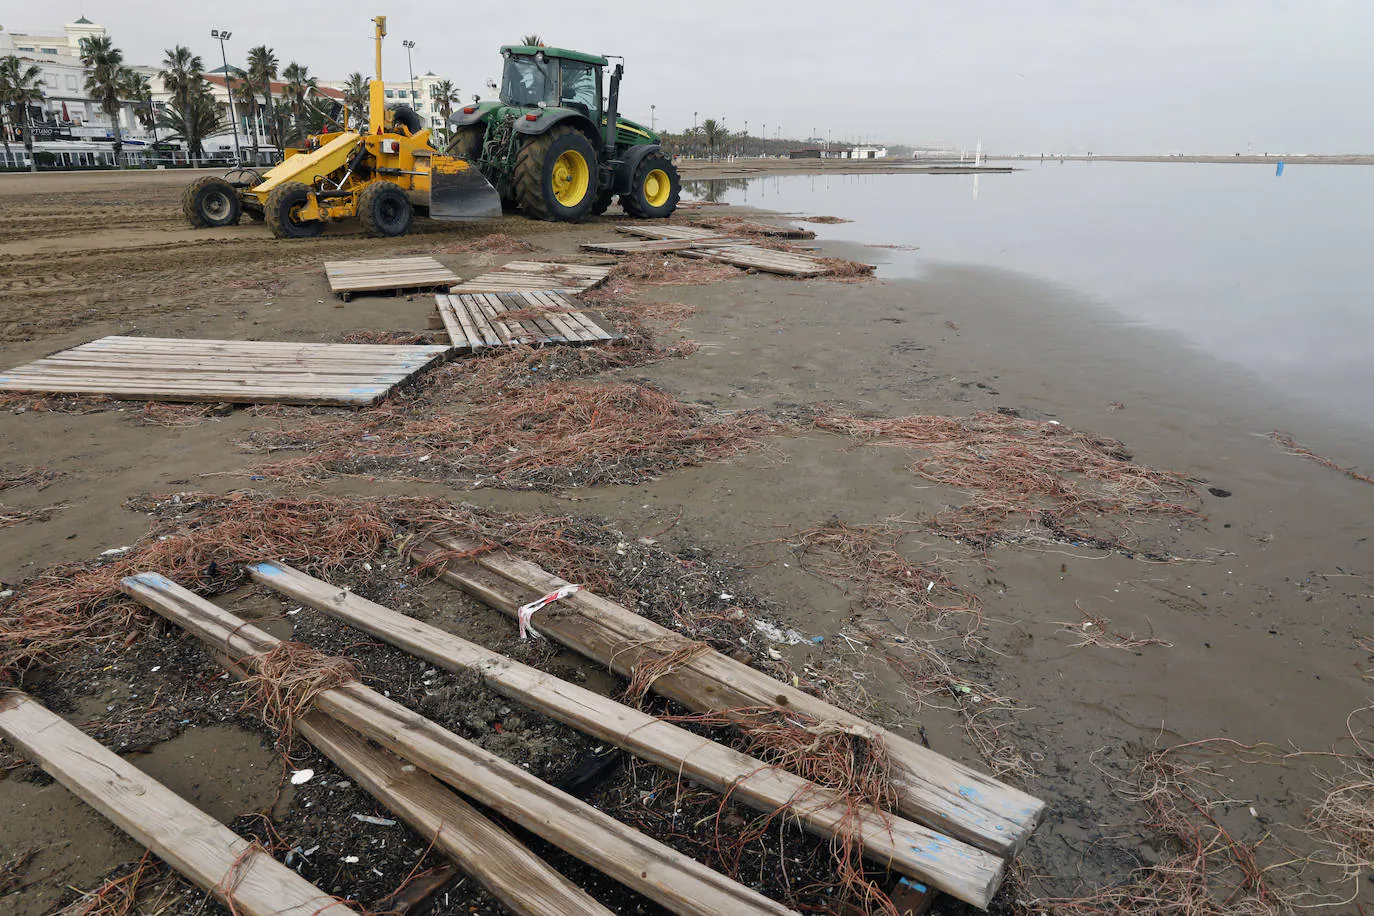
x: 282, y: 211
x: 385, y: 210
x: 210, y: 203
x: 555, y: 175
x: 655, y: 189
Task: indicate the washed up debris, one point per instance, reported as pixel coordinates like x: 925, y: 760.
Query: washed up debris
x: 374, y: 821
x: 301, y: 777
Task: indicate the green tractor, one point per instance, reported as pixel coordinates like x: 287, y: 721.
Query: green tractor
x: 550, y: 146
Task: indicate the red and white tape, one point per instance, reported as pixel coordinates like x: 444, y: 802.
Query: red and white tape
x: 526, y: 612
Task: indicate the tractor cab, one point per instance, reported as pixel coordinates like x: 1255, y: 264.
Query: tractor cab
x: 552, y: 78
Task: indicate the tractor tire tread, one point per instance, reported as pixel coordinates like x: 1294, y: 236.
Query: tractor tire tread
x: 528, y: 178
x: 273, y: 213
x: 367, y: 209
x: 190, y: 198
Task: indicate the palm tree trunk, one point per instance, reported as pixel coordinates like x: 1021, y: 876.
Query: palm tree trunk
x: 28, y: 138
x: 5, y: 133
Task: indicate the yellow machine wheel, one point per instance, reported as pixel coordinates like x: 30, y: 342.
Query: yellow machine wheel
x: 555, y: 175
x: 655, y: 189
x: 211, y: 202
x: 282, y: 209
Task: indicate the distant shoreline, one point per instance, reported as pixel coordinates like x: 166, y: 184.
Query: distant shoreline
x: 1271, y: 159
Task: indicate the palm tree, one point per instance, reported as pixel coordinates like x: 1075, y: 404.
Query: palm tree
x: 262, y: 70
x: 356, y: 99
x: 533, y: 41
x: 444, y: 95
x: 299, y: 83
x: 7, y: 64
x: 20, y: 86
x: 194, y: 120
x: 183, y: 75
x: 105, y: 81
x: 138, y: 90
x: 713, y: 132
x: 246, y: 97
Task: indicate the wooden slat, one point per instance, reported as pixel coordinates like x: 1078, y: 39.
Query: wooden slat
x: 217, y: 370
x: 235, y: 871
x: 518, y: 276
x: 679, y: 883
x: 749, y: 256
x: 387, y: 273
x: 523, y: 882
x: 968, y: 873
x: 457, y: 334
x: 656, y: 245
x: 655, y: 231
x: 933, y: 790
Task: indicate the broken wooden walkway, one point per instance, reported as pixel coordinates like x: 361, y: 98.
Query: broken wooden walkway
x: 236, y: 371
x: 477, y: 320
x: 711, y: 244
x: 382, y: 274
x: 535, y: 276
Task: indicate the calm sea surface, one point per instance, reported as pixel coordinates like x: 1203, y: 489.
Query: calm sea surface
x: 1274, y: 274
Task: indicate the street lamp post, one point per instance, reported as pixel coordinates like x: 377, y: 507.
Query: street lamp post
x: 409, y: 45
x: 696, y: 146
x: 653, y: 117
x: 223, y: 36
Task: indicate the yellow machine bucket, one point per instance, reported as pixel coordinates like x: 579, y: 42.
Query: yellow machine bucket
x: 459, y: 192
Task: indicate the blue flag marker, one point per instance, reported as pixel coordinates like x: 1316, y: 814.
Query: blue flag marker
x: 1279, y: 172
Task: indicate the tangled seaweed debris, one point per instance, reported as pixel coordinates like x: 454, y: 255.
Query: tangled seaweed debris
x: 1287, y: 443
x: 849, y: 760
x: 495, y: 243
x: 824, y: 220
x: 39, y: 478
x: 401, y: 338
x: 202, y: 542
x: 284, y: 681
x: 124, y: 892
x: 1094, y: 630
x: 1064, y: 483
x: 558, y: 434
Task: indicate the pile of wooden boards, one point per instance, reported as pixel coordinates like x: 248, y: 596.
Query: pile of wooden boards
x: 477, y: 320
x: 714, y: 245
x: 387, y: 274
x: 234, y: 371
x: 536, y: 276
x: 952, y: 829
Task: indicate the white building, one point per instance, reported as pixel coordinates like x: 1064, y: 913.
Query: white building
x: 70, y: 126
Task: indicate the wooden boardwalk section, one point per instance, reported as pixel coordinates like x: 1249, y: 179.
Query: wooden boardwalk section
x: 674, y: 233
x: 381, y: 274
x: 237, y: 371
x: 656, y: 246
x: 752, y: 257
x: 764, y: 229
x: 535, y: 276
x: 477, y: 320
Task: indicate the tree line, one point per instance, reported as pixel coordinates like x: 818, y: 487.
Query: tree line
x: 192, y: 114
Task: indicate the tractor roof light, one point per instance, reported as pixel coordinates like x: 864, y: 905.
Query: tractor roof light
x: 531, y: 117
x: 470, y: 109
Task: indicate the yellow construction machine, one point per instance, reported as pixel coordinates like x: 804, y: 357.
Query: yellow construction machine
x: 381, y: 172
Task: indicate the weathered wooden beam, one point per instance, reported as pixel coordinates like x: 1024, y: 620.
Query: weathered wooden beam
x: 523, y: 882
x: 961, y: 870
x: 943, y: 794
x: 677, y: 882
x: 237, y: 872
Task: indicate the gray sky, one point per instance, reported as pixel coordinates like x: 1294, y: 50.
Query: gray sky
x: 1022, y: 75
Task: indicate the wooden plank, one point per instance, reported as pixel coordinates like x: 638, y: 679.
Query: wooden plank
x: 453, y: 311
x: 388, y: 273
x: 233, y: 870
x: 194, y: 346
x: 483, y: 302
x: 457, y: 334
x: 748, y: 256
x: 933, y: 790
x: 523, y: 882
x: 679, y: 883
x: 669, y: 232
x: 478, y: 317
x: 656, y: 245
x: 957, y: 868
x: 572, y: 331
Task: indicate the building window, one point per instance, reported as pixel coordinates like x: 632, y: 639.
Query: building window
x: 49, y: 50
x: 390, y: 94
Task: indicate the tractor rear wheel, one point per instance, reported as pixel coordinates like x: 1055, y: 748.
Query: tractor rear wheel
x: 555, y: 175
x: 211, y: 202
x: 655, y: 189
x: 467, y: 142
x: 385, y: 210
x: 282, y: 212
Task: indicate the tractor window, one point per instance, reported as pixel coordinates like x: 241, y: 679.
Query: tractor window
x: 581, y: 87
x: 527, y: 82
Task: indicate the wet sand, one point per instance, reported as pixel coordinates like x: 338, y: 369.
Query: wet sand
x: 1263, y: 613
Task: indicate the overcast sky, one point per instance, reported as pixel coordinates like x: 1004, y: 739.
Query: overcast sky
x: 1022, y: 75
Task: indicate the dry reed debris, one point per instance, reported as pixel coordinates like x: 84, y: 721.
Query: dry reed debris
x: 1286, y: 442
x: 1065, y: 484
